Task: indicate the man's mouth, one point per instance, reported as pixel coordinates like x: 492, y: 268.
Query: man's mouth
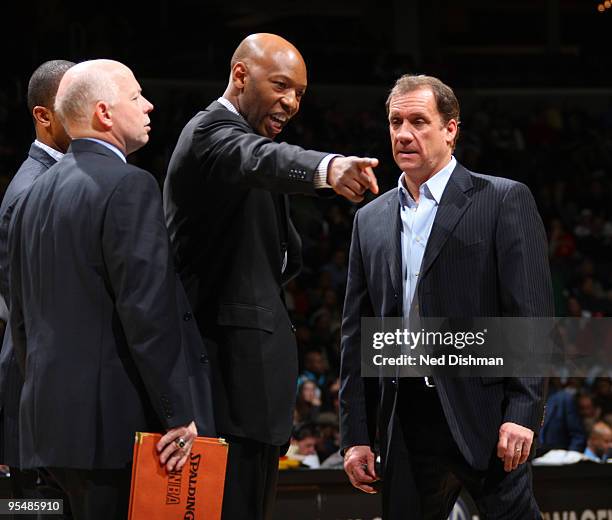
x: 278, y: 121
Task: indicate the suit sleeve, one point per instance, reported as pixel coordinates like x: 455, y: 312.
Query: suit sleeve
x: 526, y: 291
x: 230, y: 152
x: 16, y: 318
x: 138, y: 261
x: 357, y: 421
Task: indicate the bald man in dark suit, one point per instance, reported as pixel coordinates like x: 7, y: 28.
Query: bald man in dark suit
x: 95, y: 301
x: 235, y: 246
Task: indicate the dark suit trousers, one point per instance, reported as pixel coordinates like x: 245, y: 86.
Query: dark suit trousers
x: 37, y: 484
x: 250, y: 480
x: 101, y: 494
x: 426, y: 471
x: 23, y: 485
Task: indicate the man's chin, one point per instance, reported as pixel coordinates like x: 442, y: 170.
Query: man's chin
x: 407, y: 166
x: 267, y: 132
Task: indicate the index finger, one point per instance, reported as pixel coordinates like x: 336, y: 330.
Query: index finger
x: 367, y: 162
x: 367, y: 180
x: 373, y: 181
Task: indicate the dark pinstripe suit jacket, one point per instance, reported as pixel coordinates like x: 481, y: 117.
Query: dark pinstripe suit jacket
x: 37, y: 162
x: 486, y: 256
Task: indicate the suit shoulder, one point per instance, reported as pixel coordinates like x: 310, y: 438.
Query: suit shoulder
x: 132, y: 174
x: 498, y: 183
x: 501, y: 185
x: 375, y: 206
x: 27, y: 173
x: 216, y: 116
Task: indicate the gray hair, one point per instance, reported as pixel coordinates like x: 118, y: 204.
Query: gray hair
x: 88, y: 83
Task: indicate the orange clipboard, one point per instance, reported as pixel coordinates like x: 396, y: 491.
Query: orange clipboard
x: 195, y: 492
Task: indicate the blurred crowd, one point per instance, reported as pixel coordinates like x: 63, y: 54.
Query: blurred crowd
x: 563, y: 153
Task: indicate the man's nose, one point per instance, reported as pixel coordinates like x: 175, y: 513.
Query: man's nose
x: 290, y: 102
x: 148, y: 105
x: 404, y: 133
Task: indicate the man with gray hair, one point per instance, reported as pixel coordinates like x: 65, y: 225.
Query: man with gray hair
x: 94, y: 300
x: 446, y: 242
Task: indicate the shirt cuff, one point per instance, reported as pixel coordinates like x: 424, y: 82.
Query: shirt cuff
x: 320, y: 176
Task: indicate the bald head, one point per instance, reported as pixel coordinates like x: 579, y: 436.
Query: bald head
x: 600, y: 439
x: 258, y: 48
x: 267, y: 82
x: 102, y: 99
x: 83, y: 86
x: 601, y: 429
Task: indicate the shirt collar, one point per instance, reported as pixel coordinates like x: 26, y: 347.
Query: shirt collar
x: 111, y: 147
x: 229, y: 105
x: 591, y: 454
x: 432, y: 189
x: 56, y: 154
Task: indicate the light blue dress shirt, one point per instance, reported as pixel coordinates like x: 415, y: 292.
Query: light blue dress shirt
x: 56, y: 154
x: 111, y: 147
x: 417, y: 221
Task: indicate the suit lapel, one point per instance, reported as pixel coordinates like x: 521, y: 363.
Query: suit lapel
x: 392, y: 230
x: 453, y: 204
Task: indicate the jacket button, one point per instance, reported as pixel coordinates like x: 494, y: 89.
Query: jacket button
x: 204, y: 358
x: 187, y: 316
x: 293, y: 328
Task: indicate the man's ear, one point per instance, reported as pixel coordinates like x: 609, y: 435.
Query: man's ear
x: 451, y: 129
x: 239, y: 75
x: 42, y: 115
x: 103, y: 116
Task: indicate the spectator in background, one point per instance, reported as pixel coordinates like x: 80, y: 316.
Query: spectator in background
x: 337, y: 269
x: 561, y: 243
x: 323, y: 330
x: 328, y: 442
x: 587, y: 410
x: 308, y: 402
x: 337, y: 225
x: 599, y: 445
x: 602, y: 395
x: 315, y: 369
x: 562, y: 428
x: 303, y: 445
